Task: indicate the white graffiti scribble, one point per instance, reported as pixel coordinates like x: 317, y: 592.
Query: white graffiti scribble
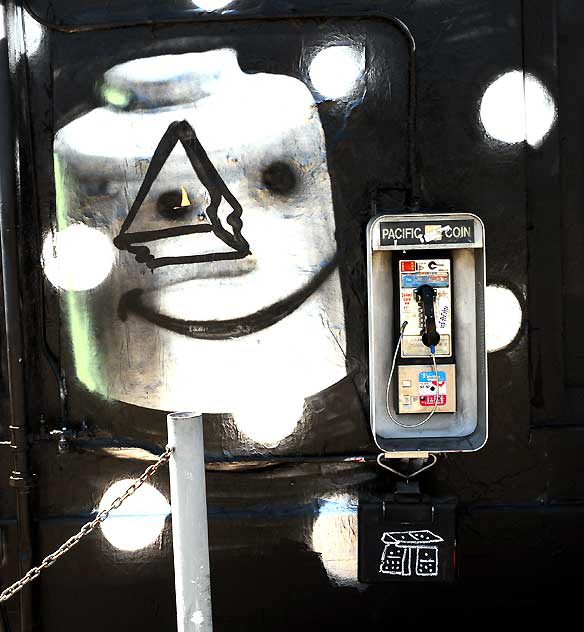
x: 402, y: 546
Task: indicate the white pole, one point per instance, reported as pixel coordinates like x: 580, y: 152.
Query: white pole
x: 189, y: 522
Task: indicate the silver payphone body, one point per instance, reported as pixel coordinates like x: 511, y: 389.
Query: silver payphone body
x: 427, y: 355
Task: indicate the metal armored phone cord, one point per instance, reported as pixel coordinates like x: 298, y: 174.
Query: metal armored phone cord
x: 433, y: 354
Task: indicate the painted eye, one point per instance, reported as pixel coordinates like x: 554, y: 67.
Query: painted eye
x: 173, y: 204
x: 280, y: 178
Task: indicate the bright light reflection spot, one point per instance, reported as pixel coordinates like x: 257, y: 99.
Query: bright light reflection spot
x: 139, y: 521
x: 197, y: 618
x: 271, y: 423
x: 334, y: 537
x: 335, y: 70
x: 503, y: 317
x: 211, y: 5
x: 516, y: 108
x: 77, y: 258
x: 33, y: 34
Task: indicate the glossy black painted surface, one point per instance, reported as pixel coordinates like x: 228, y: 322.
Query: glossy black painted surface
x: 279, y: 530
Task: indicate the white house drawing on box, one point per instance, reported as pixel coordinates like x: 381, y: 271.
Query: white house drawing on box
x: 401, y: 546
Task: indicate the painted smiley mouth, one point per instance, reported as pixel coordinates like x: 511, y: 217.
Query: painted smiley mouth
x: 132, y: 302
x: 133, y: 242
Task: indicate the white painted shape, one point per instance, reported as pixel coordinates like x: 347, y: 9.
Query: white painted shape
x: 211, y: 5
x: 77, y: 258
x: 517, y: 107
x: 136, y: 136
x: 540, y: 111
x: 503, y: 317
x: 174, y: 67
x: 269, y: 373
x: 33, y: 34
x: 334, y: 537
x: 427, y: 567
x: 139, y: 521
x: 335, y: 70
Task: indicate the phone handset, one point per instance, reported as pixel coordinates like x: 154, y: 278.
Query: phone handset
x: 426, y: 297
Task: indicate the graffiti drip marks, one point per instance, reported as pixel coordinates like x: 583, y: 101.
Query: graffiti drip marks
x: 133, y: 242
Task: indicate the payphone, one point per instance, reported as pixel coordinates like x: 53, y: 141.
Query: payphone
x: 427, y: 356
x: 424, y: 299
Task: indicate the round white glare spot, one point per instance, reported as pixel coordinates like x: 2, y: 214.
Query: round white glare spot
x: 262, y: 424
x: 77, y: 257
x: 335, y: 70
x: 502, y: 315
x: 517, y: 107
x: 211, y: 5
x: 334, y: 537
x: 139, y: 521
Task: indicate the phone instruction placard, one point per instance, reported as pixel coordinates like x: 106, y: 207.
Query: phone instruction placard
x: 429, y: 385
x: 418, y: 385
x: 412, y: 274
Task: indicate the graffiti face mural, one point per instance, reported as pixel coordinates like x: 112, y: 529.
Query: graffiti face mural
x: 213, y: 186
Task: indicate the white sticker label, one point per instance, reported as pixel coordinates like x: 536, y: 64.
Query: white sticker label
x: 432, y: 233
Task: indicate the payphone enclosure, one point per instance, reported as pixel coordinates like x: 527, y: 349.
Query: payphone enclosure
x: 418, y: 239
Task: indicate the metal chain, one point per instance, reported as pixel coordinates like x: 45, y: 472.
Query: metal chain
x: 87, y: 528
